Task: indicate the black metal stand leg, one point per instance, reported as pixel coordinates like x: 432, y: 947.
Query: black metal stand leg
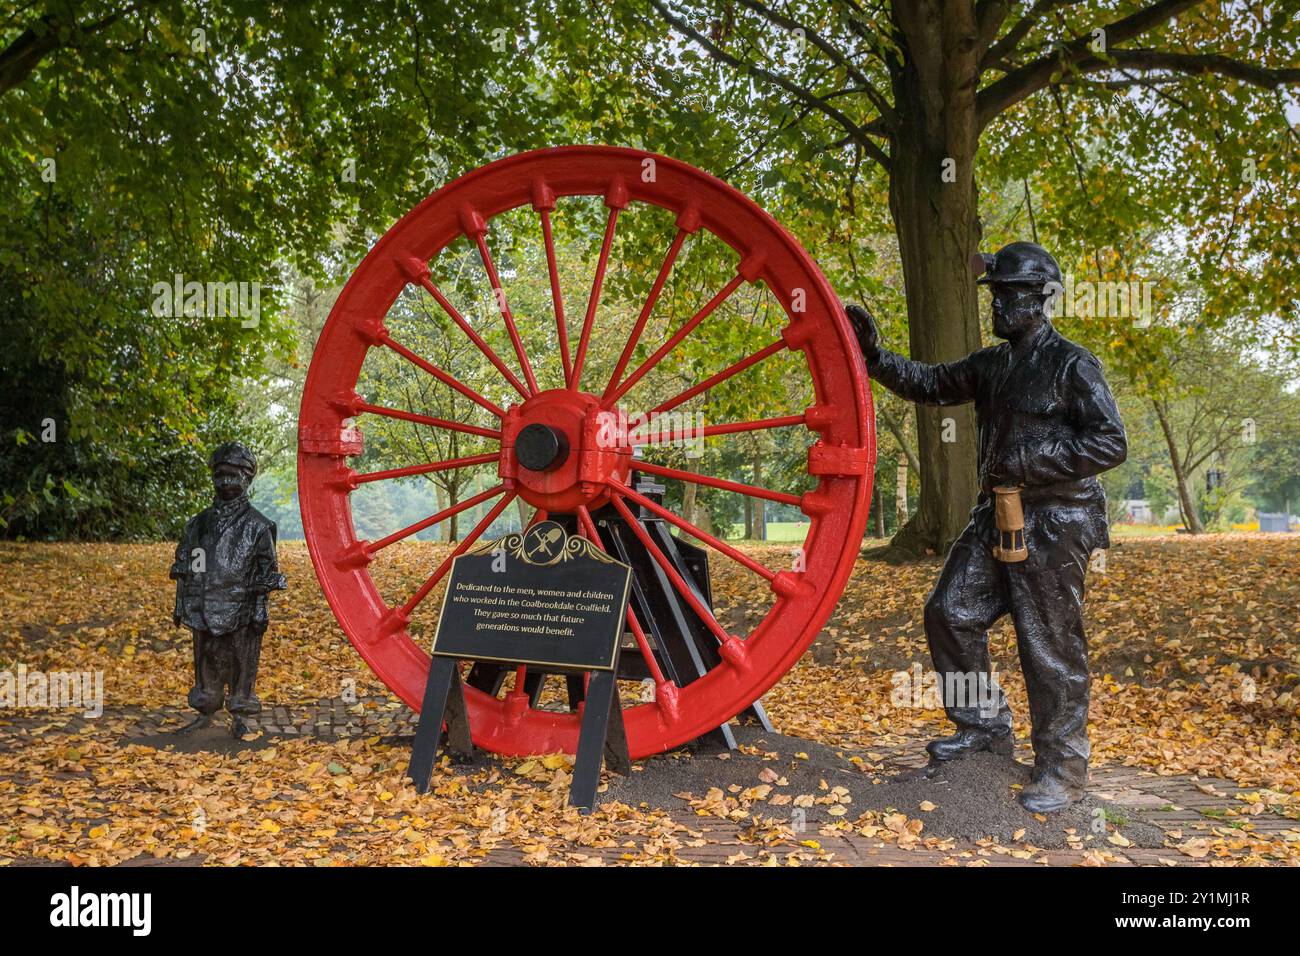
x: 616, y: 755
x: 718, y: 739
x: 595, y: 740
x: 458, y: 742
x: 533, y: 682
x: 443, y: 696
x: 756, y: 711
x: 575, y: 689
x: 487, y: 676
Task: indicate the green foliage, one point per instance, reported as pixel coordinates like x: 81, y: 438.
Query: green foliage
x: 232, y: 141
x: 213, y: 141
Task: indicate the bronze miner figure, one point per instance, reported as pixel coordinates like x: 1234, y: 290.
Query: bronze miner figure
x: 225, y: 567
x: 1047, y: 426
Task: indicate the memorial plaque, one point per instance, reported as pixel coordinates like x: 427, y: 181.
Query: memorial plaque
x: 539, y: 597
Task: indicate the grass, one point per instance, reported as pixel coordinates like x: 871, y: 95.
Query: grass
x: 778, y: 531
x: 1142, y: 530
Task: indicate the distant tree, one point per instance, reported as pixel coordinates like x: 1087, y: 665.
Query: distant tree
x: 1218, y: 406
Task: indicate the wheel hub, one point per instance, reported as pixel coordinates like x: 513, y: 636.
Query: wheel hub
x: 560, y: 448
x: 540, y: 447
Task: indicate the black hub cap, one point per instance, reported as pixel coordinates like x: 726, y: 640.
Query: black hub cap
x: 539, y: 447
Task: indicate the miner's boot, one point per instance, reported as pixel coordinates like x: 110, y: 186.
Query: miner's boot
x: 1048, y: 793
x: 197, y: 724
x: 967, y: 741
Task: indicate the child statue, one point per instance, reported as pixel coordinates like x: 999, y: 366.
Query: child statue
x: 225, y: 567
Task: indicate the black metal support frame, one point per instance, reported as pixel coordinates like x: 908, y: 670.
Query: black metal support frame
x: 684, y: 647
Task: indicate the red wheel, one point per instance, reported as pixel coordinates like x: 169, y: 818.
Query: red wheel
x: 840, y: 461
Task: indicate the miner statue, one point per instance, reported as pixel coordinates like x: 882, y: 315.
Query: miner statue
x: 225, y: 567
x: 1047, y: 426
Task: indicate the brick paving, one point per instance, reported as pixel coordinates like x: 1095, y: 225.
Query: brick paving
x: 1184, y: 807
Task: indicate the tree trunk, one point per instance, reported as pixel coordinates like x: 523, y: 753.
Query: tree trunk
x: 525, y: 512
x: 900, y: 494
x: 453, y: 497
x: 880, y: 511
x: 1186, y: 501
x: 689, y: 492
x: 933, y: 201
x: 760, y: 510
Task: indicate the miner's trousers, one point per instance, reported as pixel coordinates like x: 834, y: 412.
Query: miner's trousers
x: 974, y: 590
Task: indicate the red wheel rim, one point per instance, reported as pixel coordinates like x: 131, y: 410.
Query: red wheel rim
x: 840, y: 423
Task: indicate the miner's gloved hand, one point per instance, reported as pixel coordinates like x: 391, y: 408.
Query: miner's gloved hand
x: 864, y: 326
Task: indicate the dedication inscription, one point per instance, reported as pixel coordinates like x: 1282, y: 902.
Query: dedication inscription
x: 540, y: 597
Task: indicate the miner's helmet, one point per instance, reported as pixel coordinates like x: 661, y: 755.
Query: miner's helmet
x: 1019, y: 263
x: 237, y: 454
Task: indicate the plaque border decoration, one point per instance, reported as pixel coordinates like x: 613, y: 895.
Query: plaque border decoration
x: 516, y: 546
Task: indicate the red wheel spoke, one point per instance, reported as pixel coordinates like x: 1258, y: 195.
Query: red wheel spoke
x: 682, y: 587
x: 709, y: 431
x: 470, y: 538
x: 676, y: 340
x: 557, y: 297
x: 589, y: 529
x: 433, y: 519
x: 692, y: 530
x: 646, y: 309
x: 427, y: 420
x: 718, y: 378
x: 593, y: 300
x: 751, y: 490
x: 430, y: 468
x: 499, y: 294
x: 474, y: 337
x: 439, y: 374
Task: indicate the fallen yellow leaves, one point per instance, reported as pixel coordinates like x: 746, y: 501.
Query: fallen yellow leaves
x: 1195, y: 671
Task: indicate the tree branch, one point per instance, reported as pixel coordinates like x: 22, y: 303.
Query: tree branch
x: 856, y: 132
x: 895, y: 429
x: 816, y: 39
x: 1026, y: 80
x: 21, y: 57
x: 1019, y: 30
x: 1198, y: 64
x: 989, y: 15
